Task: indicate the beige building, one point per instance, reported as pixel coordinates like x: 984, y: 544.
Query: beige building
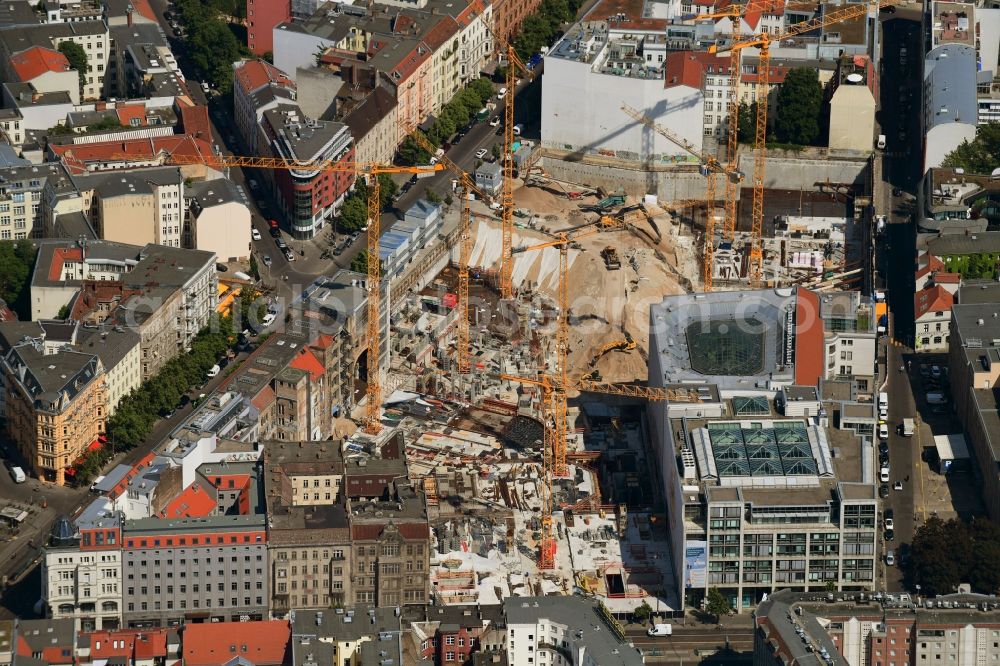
x: 56, y: 406
x: 375, y: 127
x: 120, y: 353
x: 141, y: 207
x: 309, y: 540
x: 217, y: 220
x: 852, y: 105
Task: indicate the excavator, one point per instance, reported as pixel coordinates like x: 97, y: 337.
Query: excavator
x: 626, y: 344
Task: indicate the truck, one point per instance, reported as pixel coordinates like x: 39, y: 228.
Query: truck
x: 18, y: 474
x: 660, y: 629
x: 881, y: 142
x: 907, y: 427
x: 883, y: 399
x: 611, y: 260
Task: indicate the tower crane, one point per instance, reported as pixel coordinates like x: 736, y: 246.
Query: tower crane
x: 763, y: 43
x: 712, y: 166
x: 465, y: 249
x: 514, y: 64
x: 373, y: 287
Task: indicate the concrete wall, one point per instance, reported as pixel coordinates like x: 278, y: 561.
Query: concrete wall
x: 127, y: 219
x: 294, y: 49
x: 224, y: 230
x: 568, y: 124
x: 793, y: 171
x: 317, y: 89
x: 852, y: 119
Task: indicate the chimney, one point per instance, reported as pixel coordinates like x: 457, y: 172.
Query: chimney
x: 128, y: 13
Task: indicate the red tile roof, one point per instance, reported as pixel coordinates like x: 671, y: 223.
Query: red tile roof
x: 687, y: 68
x: 947, y: 278
x: 406, y: 530
x: 75, y: 157
x: 932, y: 299
x: 144, y: 8
x: 195, y: 121
x: 307, y: 361
x: 130, y: 643
x: 265, y: 643
x: 38, y: 60
x: 928, y: 264
x: 757, y: 10
x: 442, y: 31
x: 255, y: 74
x: 776, y: 75
x: 809, y: 357
x: 60, y: 256
x: 127, y: 112
x: 323, y: 341
x: 264, y: 398
x: 194, y: 502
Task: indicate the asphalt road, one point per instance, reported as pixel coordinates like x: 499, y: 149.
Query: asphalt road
x: 689, y: 644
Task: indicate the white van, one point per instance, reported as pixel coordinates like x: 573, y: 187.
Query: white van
x: 881, y: 142
x: 518, y: 129
x: 213, y: 371
x: 883, y: 399
x: 501, y: 93
x: 18, y: 475
x: 660, y: 630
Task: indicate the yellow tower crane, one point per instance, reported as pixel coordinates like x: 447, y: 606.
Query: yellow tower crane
x: 763, y: 43
x: 468, y: 186
x: 373, y: 423
x: 711, y: 167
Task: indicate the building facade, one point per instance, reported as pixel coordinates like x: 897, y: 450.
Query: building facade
x: 56, y: 406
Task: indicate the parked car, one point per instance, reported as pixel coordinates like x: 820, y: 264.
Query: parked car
x: 481, y: 153
x: 883, y: 431
x: 883, y: 490
x: 495, y: 121
x: 289, y: 255
x: 889, y: 523
x: 280, y: 242
x: 266, y: 259
x: 254, y: 234
x: 890, y: 558
x: 267, y: 320
x: 890, y: 535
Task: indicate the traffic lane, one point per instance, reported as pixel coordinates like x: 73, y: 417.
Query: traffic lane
x: 900, y: 97
x: 903, y: 459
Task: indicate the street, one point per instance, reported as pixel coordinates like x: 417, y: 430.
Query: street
x: 690, y: 644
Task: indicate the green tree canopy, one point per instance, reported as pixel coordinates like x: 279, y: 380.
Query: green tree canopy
x: 16, y: 261
x: 981, y: 155
x: 717, y: 604
x: 77, y: 59
x: 947, y: 553
x: 359, y: 263
x: 800, y: 106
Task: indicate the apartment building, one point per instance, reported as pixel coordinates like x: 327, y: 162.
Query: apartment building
x: 91, y: 35
x: 974, y: 372
x: 309, y: 540
x: 308, y: 197
x: 262, y: 17
x: 565, y: 630
x: 217, y: 219
x: 794, y: 628
x: 707, y: 72
x: 932, y: 317
x: 47, y: 70
x: 21, y: 198
x: 56, y: 406
x: 258, y: 86
x: 119, y: 349
x: 390, y: 535
x: 203, y: 556
x: 141, y: 207
x: 84, y: 583
x: 167, y: 295
x: 347, y: 636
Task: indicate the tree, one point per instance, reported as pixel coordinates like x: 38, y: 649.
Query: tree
x: 642, y: 613
x: 387, y: 189
x: 746, y: 116
x: 717, y: 604
x: 353, y: 214
x: 939, y: 556
x: 63, y: 312
x: 800, y: 105
x: 411, y: 153
x: 981, y: 155
x: 254, y: 269
x: 15, y: 266
x: 77, y: 59
x: 359, y: 264
x: 432, y: 196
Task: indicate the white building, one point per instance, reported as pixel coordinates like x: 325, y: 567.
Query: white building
x: 573, y: 631
x: 84, y: 583
x: 257, y: 87
x: 932, y: 316
x: 594, y: 63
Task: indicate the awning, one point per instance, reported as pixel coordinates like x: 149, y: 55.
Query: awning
x: 70, y: 471
x: 94, y: 445
x: 102, y: 439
